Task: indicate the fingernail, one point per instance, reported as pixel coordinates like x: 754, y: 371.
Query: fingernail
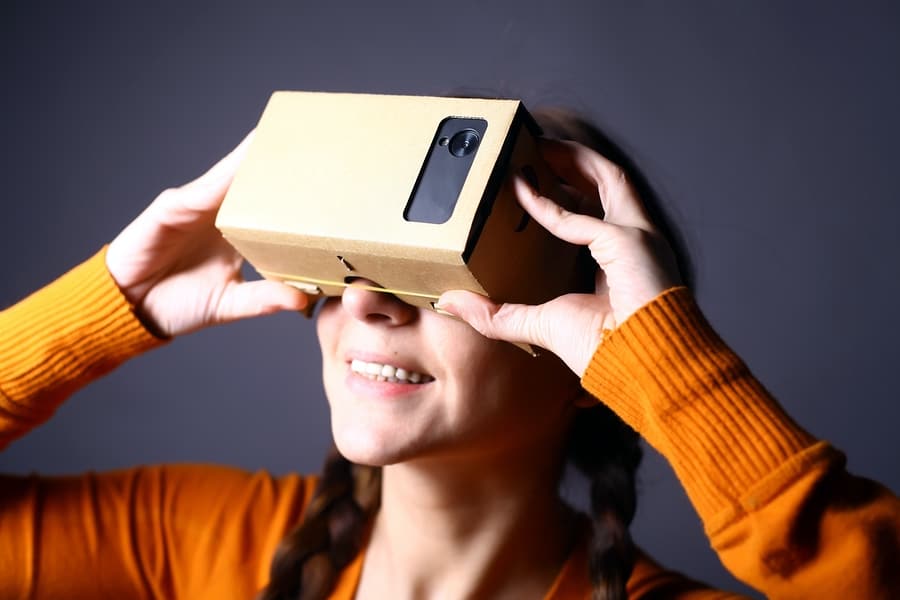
x: 527, y: 348
x: 445, y: 308
x: 531, y: 177
x: 521, y: 181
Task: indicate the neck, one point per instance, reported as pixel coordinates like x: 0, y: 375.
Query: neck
x: 494, y: 527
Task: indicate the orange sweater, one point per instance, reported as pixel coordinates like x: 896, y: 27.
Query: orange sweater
x: 778, y: 506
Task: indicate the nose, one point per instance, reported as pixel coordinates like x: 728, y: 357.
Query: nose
x: 374, y: 307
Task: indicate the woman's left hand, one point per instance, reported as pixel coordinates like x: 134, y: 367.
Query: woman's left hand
x: 635, y: 262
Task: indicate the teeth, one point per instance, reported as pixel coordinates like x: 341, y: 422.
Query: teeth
x: 381, y: 372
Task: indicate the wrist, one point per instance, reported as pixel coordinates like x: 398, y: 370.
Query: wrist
x: 132, y: 294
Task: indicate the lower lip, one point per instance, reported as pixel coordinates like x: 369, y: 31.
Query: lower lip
x: 384, y: 389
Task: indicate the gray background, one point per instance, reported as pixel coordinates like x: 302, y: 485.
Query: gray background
x: 769, y: 128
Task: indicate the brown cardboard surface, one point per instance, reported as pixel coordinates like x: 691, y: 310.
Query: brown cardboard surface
x: 320, y: 197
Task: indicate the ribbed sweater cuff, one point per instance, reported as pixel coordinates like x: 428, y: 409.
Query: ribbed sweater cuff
x: 669, y: 375
x: 64, y: 335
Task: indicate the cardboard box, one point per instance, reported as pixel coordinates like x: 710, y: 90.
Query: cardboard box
x: 323, y: 198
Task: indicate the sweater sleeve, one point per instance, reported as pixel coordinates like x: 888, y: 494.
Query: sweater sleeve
x: 60, y: 338
x: 172, y: 531
x: 189, y: 531
x: 778, y: 505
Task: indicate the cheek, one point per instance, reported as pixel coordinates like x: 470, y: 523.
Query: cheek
x: 328, y: 326
x: 500, y: 391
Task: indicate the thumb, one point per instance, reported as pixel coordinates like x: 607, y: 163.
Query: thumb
x: 516, y: 323
x: 205, y: 193
x: 256, y: 298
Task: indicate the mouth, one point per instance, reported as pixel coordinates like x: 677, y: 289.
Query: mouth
x: 384, y: 372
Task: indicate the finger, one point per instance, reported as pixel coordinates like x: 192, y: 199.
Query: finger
x: 586, y: 204
x: 205, y: 194
x: 590, y: 171
x: 256, y: 298
x: 534, y: 325
x: 199, y: 200
x: 571, y: 227
x: 561, y: 162
x: 517, y: 323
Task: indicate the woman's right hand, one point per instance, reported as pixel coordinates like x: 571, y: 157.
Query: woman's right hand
x: 178, y: 271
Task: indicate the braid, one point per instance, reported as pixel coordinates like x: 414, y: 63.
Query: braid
x: 602, y: 446
x: 608, y: 452
x: 309, y: 560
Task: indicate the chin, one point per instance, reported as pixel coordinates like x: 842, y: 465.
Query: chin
x: 363, y: 446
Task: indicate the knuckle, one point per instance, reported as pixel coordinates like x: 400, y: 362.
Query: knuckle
x: 509, y: 321
x: 630, y: 239
x: 558, y: 212
x: 480, y: 320
x: 617, y: 241
x: 610, y: 179
x: 505, y: 316
x: 543, y: 332
x: 169, y: 196
x: 170, y: 193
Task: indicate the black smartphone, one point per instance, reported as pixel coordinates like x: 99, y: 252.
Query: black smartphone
x: 444, y: 170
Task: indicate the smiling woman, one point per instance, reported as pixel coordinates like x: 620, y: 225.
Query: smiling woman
x: 473, y: 421
x: 468, y: 399
x: 451, y: 441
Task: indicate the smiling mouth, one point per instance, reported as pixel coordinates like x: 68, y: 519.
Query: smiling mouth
x: 383, y: 372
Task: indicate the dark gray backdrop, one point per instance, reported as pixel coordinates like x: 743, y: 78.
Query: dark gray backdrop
x: 770, y: 128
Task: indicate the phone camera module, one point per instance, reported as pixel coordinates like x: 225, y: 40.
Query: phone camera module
x: 464, y: 143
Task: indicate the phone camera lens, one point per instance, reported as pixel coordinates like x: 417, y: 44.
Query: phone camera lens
x: 464, y: 143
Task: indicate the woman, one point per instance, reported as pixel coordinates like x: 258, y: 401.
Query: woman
x: 473, y: 434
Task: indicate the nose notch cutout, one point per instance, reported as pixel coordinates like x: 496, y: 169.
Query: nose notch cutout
x: 371, y: 306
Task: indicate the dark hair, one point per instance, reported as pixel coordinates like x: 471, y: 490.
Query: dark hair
x: 601, y: 446
x: 309, y: 560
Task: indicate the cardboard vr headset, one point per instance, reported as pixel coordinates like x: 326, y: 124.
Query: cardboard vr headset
x: 410, y: 193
